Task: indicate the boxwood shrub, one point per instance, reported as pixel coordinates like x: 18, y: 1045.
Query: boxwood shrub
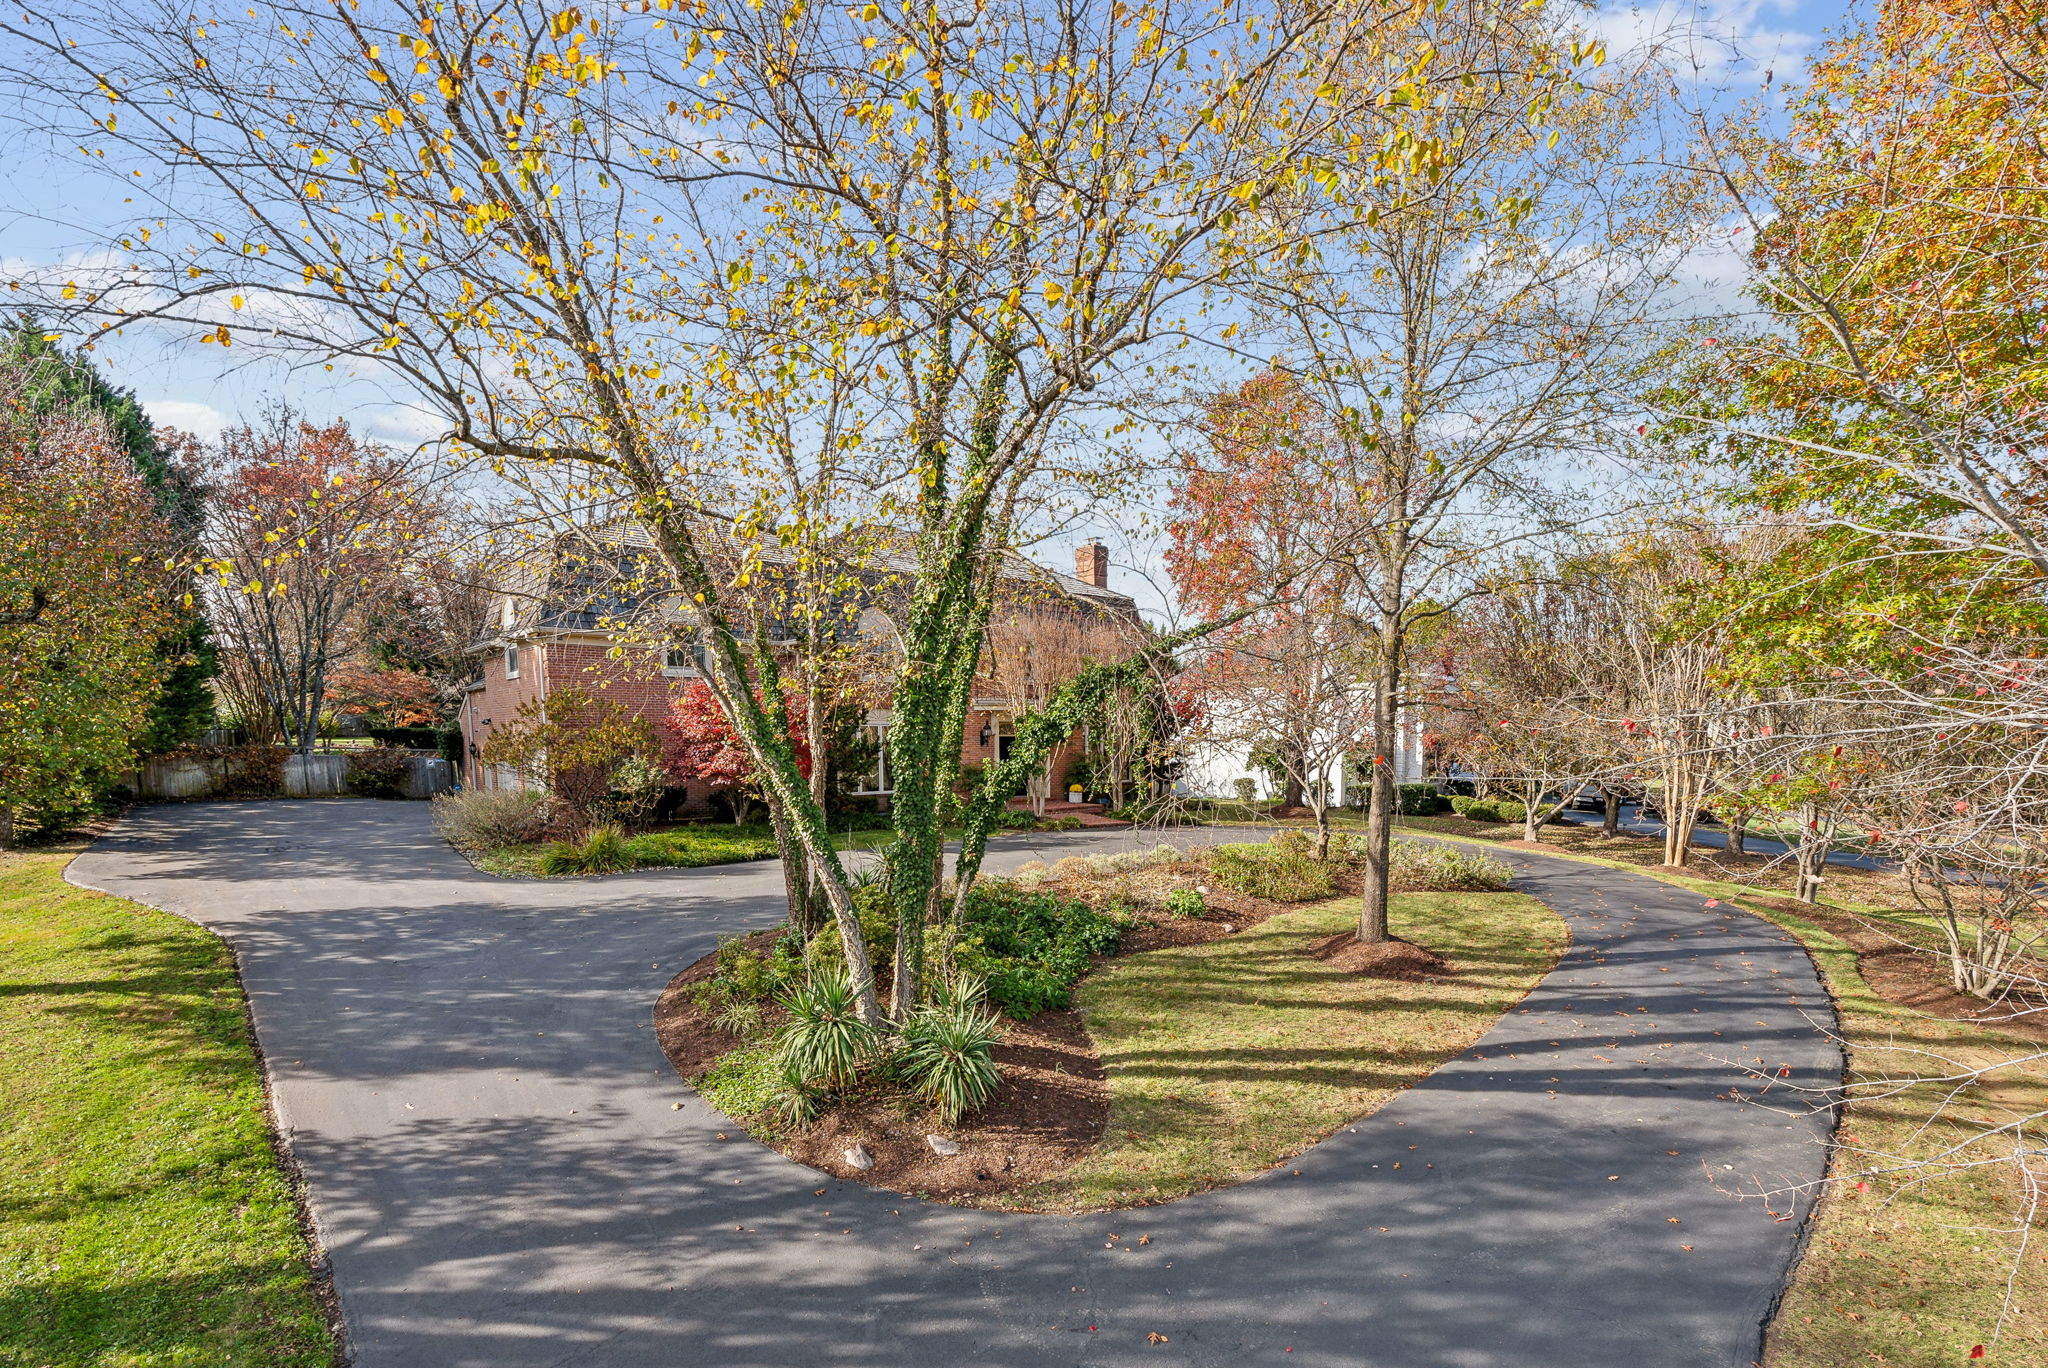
x: 1417, y: 800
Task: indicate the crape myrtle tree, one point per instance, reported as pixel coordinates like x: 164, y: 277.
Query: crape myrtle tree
x: 1526, y: 666
x: 307, y: 528
x: 550, y: 223
x: 1289, y: 695
x: 1464, y: 328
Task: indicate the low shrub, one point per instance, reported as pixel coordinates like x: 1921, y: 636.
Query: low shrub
x: 1028, y: 946
x: 1416, y: 800
x: 604, y: 851
x: 824, y: 1042
x: 1477, y: 809
x: 485, y: 819
x: 947, y: 1054
x: 1017, y: 821
x: 1061, y: 824
x: 378, y: 772
x: 1280, y: 872
x: 1421, y: 867
x: 252, y: 771
x: 1186, y: 902
x: 742, y: 974
x: 1508, y: 810
x: 746, y: 1082
x: 827, y: 950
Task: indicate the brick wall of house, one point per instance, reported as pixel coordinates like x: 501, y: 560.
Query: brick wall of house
x: 493, y: 706
x: 637, y: 680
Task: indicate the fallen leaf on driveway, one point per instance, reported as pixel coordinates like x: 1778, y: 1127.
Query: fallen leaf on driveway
x: 1154, y: 1337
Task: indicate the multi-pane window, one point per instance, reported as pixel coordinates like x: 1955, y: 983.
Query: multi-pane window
x: 875, y: 778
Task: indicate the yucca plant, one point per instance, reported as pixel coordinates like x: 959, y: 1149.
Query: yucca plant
x: 947, y: 1051
x: 824, y: 1041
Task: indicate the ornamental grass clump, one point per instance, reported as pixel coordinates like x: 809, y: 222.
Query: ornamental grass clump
x: 1422, y: 867
x: 946, y: 1051
x: 604, y: 851
x: 1280, y: 873
x: 486, y: 819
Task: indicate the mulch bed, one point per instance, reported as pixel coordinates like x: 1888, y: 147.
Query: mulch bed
x: 1050, y: 1110
x: 1403, y: 961
x: 1910, y: 977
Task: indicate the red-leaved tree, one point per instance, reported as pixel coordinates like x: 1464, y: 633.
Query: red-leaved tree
x: 700, y: 747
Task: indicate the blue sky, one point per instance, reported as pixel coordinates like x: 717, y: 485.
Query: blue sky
x: 56, y: 216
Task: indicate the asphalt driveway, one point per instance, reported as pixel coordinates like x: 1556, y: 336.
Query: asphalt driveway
x: 465, y: 1068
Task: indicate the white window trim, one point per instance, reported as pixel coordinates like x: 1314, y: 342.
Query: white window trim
x: 512, y: 661
x: 885, y: 789
x: 683, y: 671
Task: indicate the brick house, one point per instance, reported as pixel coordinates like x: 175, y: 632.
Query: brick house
x: 555, y: 628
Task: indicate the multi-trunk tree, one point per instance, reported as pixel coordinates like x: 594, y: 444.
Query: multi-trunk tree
x: 556, y: 226
x: 307, y: 530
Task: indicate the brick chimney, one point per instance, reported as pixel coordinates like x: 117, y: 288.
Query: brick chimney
x: 1091, y: 563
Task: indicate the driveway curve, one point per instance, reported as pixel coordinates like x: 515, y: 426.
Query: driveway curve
x: 506, y: 1173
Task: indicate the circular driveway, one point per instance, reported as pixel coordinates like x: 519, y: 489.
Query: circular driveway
x: 465, y: 1068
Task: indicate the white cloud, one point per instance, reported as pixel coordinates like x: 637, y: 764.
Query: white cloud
x: 1712, y: 42
x: 203, y: 421
x: 403, y: 424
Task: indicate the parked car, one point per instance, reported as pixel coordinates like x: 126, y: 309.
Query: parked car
x: 1650, y: 812
x: 1588, y: 799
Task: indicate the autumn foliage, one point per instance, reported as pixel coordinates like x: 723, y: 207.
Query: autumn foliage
x: 84, y: 596
x: 700, y: 747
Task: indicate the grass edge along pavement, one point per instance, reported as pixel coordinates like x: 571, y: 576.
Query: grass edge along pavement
x: 145, y: 1218
x: 1174, y: 1131
x: 1897, y: 1275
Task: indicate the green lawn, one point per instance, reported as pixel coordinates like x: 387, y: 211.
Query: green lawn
x: 1224, y: 1059
x: 144, y: 1221
x: 680, y: 848
x: 690, y: 847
